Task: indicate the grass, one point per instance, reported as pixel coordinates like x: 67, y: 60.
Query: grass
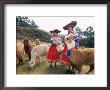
x: 42, y: 67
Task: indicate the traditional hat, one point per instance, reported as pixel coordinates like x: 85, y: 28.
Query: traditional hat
x: 56, y: 30
x: 72, y: 24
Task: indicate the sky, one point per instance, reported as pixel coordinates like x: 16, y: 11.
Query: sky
x: 48, y: 23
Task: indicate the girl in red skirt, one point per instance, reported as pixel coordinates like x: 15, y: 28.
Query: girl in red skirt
x: 69, y: 44
x: 53, y: 55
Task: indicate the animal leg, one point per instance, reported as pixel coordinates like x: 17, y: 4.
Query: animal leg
x: 73, y: 68
x: 78, y: 68
x: 51, y: 64
x: 91, y: 68
x: 29, y: 56
x: 55, y: 64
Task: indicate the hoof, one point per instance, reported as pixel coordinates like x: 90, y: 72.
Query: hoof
x: 67, y: 71
x: 70, y: 72
x: 50, y: 65
x: 22, y: 63
x: 55, y: 65
x: 31, y: 68
x: 73, y: 72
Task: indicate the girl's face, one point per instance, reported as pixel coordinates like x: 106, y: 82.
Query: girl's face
x: 51, y: 34
x: 70, y: 29
x: 56, y: 34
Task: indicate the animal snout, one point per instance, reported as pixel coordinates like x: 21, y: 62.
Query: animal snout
x: 31, y: 64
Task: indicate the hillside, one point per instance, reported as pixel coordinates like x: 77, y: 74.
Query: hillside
x: 23, y: 32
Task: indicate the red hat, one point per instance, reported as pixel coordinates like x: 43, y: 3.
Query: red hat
x: 72, y: 24
x: 56, y: 30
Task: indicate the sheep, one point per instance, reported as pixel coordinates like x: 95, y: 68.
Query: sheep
x: 37, y: 51
x: 80, y: 57
x: 19, y: 52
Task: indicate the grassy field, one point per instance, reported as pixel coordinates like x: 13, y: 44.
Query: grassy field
x: 43, y: 67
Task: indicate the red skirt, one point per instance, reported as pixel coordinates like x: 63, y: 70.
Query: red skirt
x: 65, y: 59
x: 53, y: 54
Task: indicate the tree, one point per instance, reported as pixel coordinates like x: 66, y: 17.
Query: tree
x: 21, y: 21
x: 24, y: 21
x: 86, y: 37
x: 78, y: 30
x: 89, y: 33
x: 33, y: 24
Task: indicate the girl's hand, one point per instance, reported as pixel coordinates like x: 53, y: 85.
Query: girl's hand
x: 71, y: 35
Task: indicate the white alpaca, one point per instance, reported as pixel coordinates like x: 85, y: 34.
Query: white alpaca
x: 38, y: 51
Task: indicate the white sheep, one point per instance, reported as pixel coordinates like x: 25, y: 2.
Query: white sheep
x: 37, y: 51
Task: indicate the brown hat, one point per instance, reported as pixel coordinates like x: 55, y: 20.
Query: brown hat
x: 56, y: 30
x: 72, y: 24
